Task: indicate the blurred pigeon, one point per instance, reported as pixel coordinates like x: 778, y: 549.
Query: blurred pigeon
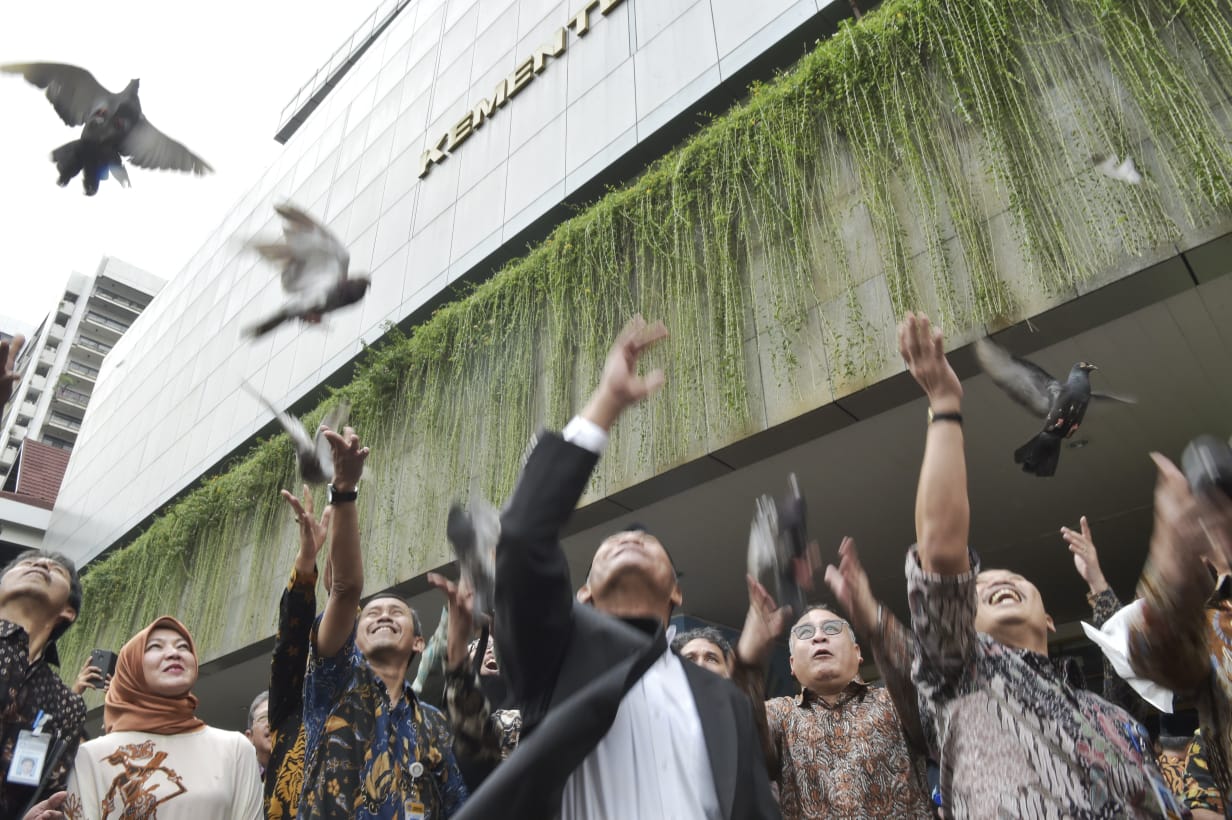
x: 1062, y: 406
x: 780, y: 556
x: 114, y: 127
x: 1123, y: 171
x: 314, y: 271
x: 315, y: 456
x: 473, y: 531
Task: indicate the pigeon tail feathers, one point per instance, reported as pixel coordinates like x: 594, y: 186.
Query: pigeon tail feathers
x: 1040, y: 455
x: 261, y: 328
x: 69, y: 161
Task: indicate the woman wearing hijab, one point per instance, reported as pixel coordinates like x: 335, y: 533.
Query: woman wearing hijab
x: 158, y: 758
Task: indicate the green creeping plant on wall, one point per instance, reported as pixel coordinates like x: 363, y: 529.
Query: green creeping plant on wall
x: 937, y: 154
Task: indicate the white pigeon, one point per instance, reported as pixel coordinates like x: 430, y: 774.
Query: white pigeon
x: 1123, y: 171
x: 315, y: 273
x: 315, y: 456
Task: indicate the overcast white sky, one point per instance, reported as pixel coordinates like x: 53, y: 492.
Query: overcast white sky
x: 214, y: 76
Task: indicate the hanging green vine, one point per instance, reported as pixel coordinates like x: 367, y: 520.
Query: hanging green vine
x: 778, y: 244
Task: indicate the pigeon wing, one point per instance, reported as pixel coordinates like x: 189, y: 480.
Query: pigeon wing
x: 1104, y: 395
x: 72, y: 91
x: 1025, y: 382
x: 334, y: 420
x: 313, y: 259
x: 150, y: 148
x: 293, y: 426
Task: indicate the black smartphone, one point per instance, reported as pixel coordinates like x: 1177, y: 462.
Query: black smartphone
x: 104, y: 660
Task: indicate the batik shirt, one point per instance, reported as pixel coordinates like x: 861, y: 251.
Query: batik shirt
x: 849, y: 759
x: 25, y: 690
x: 478, y: 732
x: 1014, y: 737
x: 367, y: 758
x: 284, y: 775
x: 1199, y: 788
x: 1183, y: 641
x: 861, y: 756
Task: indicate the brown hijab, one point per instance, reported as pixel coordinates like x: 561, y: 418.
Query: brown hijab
x: 130, y: 706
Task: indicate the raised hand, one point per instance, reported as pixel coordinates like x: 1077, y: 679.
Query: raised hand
x: 349, y: 458
x: 312, y: 532
x: 461, y: 617
x: 922, y: 347
x: 763, y: 624
x: 89, y: 678
x: 849, y: 583
x: 620, y: 385
x: 1086, y: 559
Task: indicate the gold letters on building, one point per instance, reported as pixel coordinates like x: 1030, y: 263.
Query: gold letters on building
x: 510, y: 86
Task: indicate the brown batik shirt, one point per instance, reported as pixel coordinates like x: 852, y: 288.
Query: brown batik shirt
x: 26, y: 689
x: 863, y: 755
x: 1014, y: 736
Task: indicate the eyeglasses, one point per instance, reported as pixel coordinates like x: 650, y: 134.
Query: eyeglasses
x: 804, y: 632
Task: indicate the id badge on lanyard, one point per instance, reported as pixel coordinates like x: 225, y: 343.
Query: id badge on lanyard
x: 30, y: 753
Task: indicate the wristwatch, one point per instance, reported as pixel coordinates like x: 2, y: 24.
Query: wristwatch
x: 954, y: 417
x: 339, y: 497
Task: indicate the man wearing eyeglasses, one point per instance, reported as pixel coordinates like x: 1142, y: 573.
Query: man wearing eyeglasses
x: 840, y: 748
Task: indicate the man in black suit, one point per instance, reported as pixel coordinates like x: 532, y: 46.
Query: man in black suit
x: 614, y: 724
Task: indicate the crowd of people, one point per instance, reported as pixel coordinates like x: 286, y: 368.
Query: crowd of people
x: 583, y: 703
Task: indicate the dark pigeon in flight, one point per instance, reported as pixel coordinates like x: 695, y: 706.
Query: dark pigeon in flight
x: 1061, y: 405
x: 473, y: 531
x: 114, y: 128
x: 315, y: 456
x: 314, y: 271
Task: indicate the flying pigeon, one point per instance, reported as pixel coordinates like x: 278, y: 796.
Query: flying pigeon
x: 473, y: 531
x: 1062, y: 406
x: 315, y: 456
x: 314, y: 271
x: 1123, y: 171
x: 780, y: 556
x: 114, y: 127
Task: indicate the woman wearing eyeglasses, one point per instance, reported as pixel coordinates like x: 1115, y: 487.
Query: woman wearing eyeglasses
x: 159, y: 759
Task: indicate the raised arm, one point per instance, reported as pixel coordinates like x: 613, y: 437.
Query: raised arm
x: 942, y: 512
x: 347, y: 584
x: 534, y: 598
x: 296, y: 611
x: 885, y: 636
x: 764, y: 623
x: 1168, y: 642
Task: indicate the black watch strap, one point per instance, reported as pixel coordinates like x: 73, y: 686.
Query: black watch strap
x: 954, y: 417
x: 340, y: 497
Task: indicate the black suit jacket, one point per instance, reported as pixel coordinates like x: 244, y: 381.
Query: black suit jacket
x: 568, y: 666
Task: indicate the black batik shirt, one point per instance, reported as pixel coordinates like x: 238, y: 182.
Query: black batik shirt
x: 26, y: 689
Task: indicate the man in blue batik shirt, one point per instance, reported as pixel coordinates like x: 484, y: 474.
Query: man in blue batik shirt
x: 373, y: 750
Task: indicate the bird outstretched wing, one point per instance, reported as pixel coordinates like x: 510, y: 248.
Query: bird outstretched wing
x: 312, y: 258
x: 334, y: 420
x: 1025, y: 382
x: 1104, y: 395
x: 293, y: 426
x: 148, y: 147
x: 72, y: 91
